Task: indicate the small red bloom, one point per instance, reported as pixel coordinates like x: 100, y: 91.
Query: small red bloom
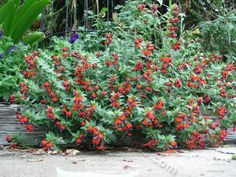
x: 222, y: 112
x: 11, y: 99
x: 139, y: 66
x: 197, y: 69
x: 178, y: 83
x: 141, y: 7
x: 176, y: 46
x: 93, y: 95
x: 146, y: 52
x: 166, y: 59
x: 155, y: 7
x: 29, y: 128
x: 159, y: 105
x: 150, y: 115
x: 8, y: 138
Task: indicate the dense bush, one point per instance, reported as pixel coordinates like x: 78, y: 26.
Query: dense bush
x: 11, y: 60
x: 139, y: 78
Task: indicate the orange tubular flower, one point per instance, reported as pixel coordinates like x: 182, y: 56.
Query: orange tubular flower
x: 159, y: 105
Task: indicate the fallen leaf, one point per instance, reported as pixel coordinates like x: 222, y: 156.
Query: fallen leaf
x: 40, y: 152
x: 54, y: 152
x: 72, y: 152
x: 171, y: 151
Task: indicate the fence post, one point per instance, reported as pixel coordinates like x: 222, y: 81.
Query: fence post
x: 67, y: 15
x: 86, y: 14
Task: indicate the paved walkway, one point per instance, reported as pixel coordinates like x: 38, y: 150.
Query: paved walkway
x: 196, y: 163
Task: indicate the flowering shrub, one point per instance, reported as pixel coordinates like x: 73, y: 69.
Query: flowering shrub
x: 142, y: 78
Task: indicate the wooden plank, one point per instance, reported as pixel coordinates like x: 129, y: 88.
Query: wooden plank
x: 231, y: 138
x: 9, y: 125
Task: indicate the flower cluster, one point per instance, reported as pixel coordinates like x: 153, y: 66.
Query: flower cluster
x: 166, y: 94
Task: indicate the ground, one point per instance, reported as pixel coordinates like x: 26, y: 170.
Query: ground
x: 126, y: 163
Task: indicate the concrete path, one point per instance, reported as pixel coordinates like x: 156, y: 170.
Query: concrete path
x: 185, y: 163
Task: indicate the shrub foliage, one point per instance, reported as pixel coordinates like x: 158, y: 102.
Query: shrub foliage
x: 140, y: 77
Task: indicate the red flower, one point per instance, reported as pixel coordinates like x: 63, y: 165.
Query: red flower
x: 108, y: 37
x: 166, y: 59
x: 222, y: 111
x: 172, y: 35
x: 145, y: 122
x: 131, y: 102
x: 176, y: 46
x: 47, y: 145
x: 64, y: 49
x: 159, y: 105
x: 103, y: 93
x: 150, y: 115
x: 139, y: 66
x: 29, y: 128
x: 23, y: 120
x: 174, y: 20
x: 50, y: 113
x: 138, y: 42
x: 195, y: 77
x: 68, y: 114
x: 173, y: 28
x: 46, y: 84
x: 151, y: 143
x: 93, y: 95
x: 8, y: 138
x: 169, y: 83
x: 196, y: 109
x: 78, y: 140
x: 225, y: 74
x: 197, y: 69
x: 146, y: 52
x: 223, y: 134
x: 66, y: 84
x: 182, y: 126
x: 223, y: 93
x: 100, y: 136
x: 155, y: 7
x: 141, y: 7
x: 150, y: 47
x: 178, y: 83
x: 115, y: 104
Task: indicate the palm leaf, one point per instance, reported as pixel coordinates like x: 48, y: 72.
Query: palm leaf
x: 26, y: 19
x: 5, y: 9
x: 9, y: 19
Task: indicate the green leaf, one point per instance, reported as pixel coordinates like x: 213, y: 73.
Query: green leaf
x: 234, y: 157
x: 5, y: 9
x: 33, y: 38
x: 8, y: 23
x: 24, y: 21
x: 27, y: 5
